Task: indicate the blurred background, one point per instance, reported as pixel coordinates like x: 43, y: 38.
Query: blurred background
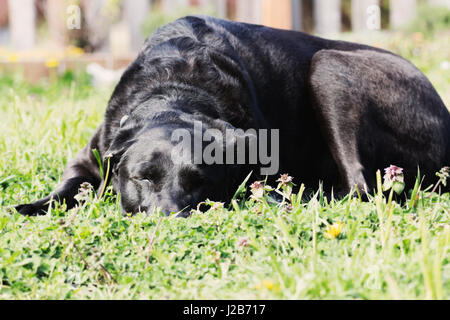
x: 45, y: 38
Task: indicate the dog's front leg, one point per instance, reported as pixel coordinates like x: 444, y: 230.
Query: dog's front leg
x: 84, y: 168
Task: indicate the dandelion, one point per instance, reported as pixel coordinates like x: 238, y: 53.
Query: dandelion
x: 73, y: 51
x: 13, y: 57
x: 267, y: 284
x: 333, y: 231
x: 52, y: 63
x: 393, y: 178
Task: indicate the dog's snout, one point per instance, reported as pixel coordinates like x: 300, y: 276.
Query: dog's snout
x: 171, y: 206
x: 174, y: 209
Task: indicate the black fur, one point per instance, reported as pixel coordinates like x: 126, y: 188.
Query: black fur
x: 344, y: 110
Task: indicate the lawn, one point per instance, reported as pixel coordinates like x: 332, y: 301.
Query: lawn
x: 314, y: 248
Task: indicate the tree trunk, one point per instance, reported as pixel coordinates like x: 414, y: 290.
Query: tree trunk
x: 297, y: 21
x: 402, y: 12
x: 56, y: 18
x: 3, y: 13
x: 221, y: 6
x: 97, y: 24
x: 22, y: 22
x: 135, y: 12
x: 249, y: 11
x: 327, y: 16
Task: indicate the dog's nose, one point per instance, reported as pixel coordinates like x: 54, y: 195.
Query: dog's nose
x: 182, y: 213
x: 173, y: 208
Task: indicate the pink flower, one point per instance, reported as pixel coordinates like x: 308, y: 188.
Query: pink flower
x: 393, y: 178
x: 84, y: 192
x: 393, y: 173
x: 256, y: 185
x: 243, y: 242
x: 285, y: 179
x: 257, y: 189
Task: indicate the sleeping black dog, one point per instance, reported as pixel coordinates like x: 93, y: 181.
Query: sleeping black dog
x: 341, y: 110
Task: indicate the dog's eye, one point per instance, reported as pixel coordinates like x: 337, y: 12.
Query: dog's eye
x: 154, y: 176
x: 151, y: 174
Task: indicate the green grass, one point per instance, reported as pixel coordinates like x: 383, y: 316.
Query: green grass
x: 254, y: 250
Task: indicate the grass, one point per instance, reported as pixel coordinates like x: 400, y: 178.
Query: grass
x: 256, y: 249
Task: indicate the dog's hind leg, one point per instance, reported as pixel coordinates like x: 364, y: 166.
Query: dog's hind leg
x: 338, y: 117
x: 84, y: 168
x: 377, y: 109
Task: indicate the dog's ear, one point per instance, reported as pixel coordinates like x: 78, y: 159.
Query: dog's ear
x: 123, y: 140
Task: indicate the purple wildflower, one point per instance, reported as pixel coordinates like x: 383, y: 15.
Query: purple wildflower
x: 243, y: 242
x: 393, y: 178
x: 393, y: 173
x: 84, y: 192
x: 285, y: 179
x: 257, y: 189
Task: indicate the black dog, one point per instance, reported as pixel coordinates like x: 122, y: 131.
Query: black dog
x: 343, y: 111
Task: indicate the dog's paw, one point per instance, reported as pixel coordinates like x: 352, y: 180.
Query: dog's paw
x: 30, y: 210
x: 341, y: 194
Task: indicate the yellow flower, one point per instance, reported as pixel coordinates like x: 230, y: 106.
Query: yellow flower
x: 13, y: 57
x: 74, y: 51
x: 333, y: 231
x: 52, y: 63
x: 268, y: 284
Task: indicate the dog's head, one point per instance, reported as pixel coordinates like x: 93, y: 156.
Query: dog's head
x: 151, y: 171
